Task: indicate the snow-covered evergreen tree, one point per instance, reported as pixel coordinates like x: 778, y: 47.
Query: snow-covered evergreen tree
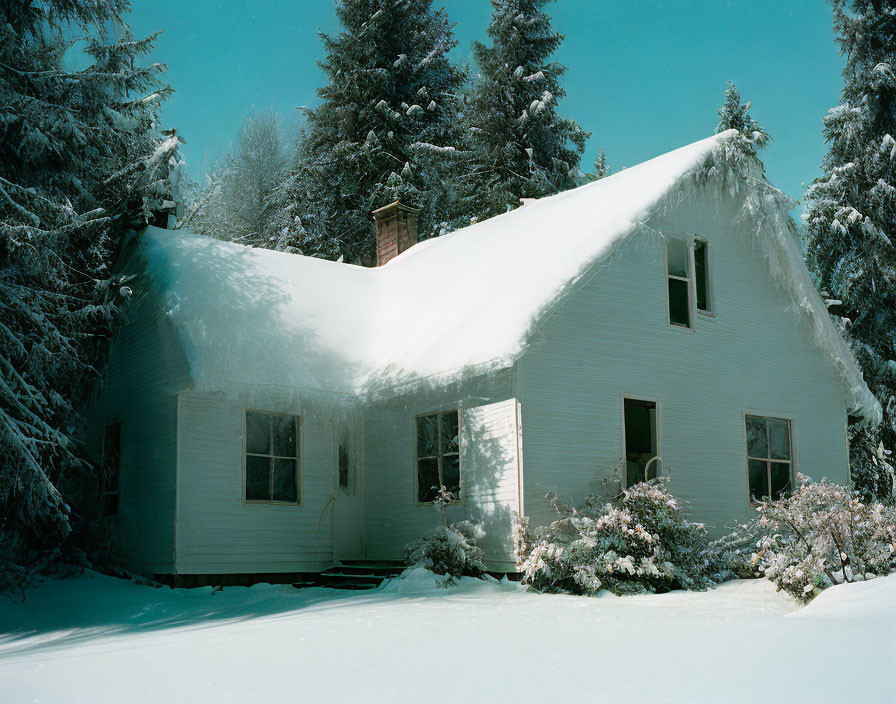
x: 518, y: 145
x: 385, y: 129
x: 80, y: 164
x: 851, y: 220
x: 601, y: 167
x: 735, y: 115
x: 237, y: 201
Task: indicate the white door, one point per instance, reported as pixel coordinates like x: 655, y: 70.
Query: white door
x: 347, y: 527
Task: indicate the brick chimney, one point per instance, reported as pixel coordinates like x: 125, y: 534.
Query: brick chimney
x: 396, y: 230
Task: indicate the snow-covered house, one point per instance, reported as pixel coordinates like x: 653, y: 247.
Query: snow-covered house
x: 274, y: 413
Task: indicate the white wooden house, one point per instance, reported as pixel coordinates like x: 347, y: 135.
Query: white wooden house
x: 275, y: 413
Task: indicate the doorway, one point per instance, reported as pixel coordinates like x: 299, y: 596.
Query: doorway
x: 640, y: 431
x: 347, y: 519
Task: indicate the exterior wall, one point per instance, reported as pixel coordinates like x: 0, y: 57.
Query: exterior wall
x: 217, y: 531
x: 141, y: 382
x: 611, y: 337
x: 489, y: 470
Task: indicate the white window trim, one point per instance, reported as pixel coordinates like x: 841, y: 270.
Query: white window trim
x: 710, y: 292
x: 460, y: 456
x: 300, y: 460
x: 692, y: 294
x: 794, y: 460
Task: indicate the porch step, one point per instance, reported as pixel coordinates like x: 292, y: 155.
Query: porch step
x: 355, y: 574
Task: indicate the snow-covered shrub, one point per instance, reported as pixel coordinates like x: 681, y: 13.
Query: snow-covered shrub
x: 451, y: 549
x: 637, y: 542
x: 821, y: 535
x: 734, y: 552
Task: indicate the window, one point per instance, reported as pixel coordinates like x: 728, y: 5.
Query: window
x: 769, y: 457
x: 343, y: 467
x: 679, y: 282
x: 438, y: 455
x: 701, y: 276
x: 272, y: 457
x: 111, y: 468
x: 641, y: 461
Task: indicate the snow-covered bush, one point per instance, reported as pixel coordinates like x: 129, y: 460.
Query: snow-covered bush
x: 821, y: 535
x: 637, y: 542
x: 451, y: 549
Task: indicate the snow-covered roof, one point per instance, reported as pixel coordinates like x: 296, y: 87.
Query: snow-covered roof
x: 460, y: 303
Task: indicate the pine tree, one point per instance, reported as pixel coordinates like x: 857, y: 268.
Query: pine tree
x: 385, y: 129
x: 601, y: 167
x: 518, y: 144
x: 851, y: 220
x: 735, y: 115
x: 80, y: 163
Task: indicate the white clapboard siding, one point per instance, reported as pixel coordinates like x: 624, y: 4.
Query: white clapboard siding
x: 392, y: 516
x: 217, y: 531
x: 145, y: 372
x: 612, y: 337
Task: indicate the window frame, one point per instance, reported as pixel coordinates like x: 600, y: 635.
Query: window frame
x: 299, y: 459
x: 709, y: 312
x: 103, y: 491
x: 689, y: 280
x: 460, y: 461
x: 793, y: 462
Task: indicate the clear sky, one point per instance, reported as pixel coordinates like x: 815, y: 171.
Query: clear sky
x: 645, y: 76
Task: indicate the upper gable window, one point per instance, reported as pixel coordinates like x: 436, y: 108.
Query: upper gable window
x: 272, y: 458
x: 678, y: 274
x: 701, y: 276
x: 438, y: 455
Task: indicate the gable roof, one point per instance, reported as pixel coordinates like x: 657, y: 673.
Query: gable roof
x: 461, y: 303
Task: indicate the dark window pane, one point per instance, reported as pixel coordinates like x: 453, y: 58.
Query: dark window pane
x: 780, y: 480
x: 343, y: 466
x: 679, y: 303
x: 258, y: 433
x: 112, y: 443
x: 758, y: 480
x: 677, y: 253
x: 451, y: 473
x: 111, y: 467
x: 285, y: 481
x: 449, y: 432
x: 757, y: 440
x: 779, y: 438
x: 427, y: 435
x: 701, y: 275
x: 427, y: 479
x: 258, y: 478
x: 110, y: 504
x: 285, y: 436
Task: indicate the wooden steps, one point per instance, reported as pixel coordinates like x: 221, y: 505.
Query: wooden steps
x: 354, y: 575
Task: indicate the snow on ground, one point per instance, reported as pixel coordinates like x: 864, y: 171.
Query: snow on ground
x: 98, y: 639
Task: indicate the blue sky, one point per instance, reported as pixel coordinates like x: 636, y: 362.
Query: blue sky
x: 645, y: 76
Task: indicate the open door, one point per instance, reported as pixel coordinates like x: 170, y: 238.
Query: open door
x: 347, y: 533
x: 641, y: 450
x: 491, y: 479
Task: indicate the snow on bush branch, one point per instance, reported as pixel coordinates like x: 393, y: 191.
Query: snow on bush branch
x: 452, y: 548
x: 821, y: 535
x: 637, y: 542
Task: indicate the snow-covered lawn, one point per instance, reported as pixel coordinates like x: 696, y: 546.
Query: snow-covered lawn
x: 97, y: 639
